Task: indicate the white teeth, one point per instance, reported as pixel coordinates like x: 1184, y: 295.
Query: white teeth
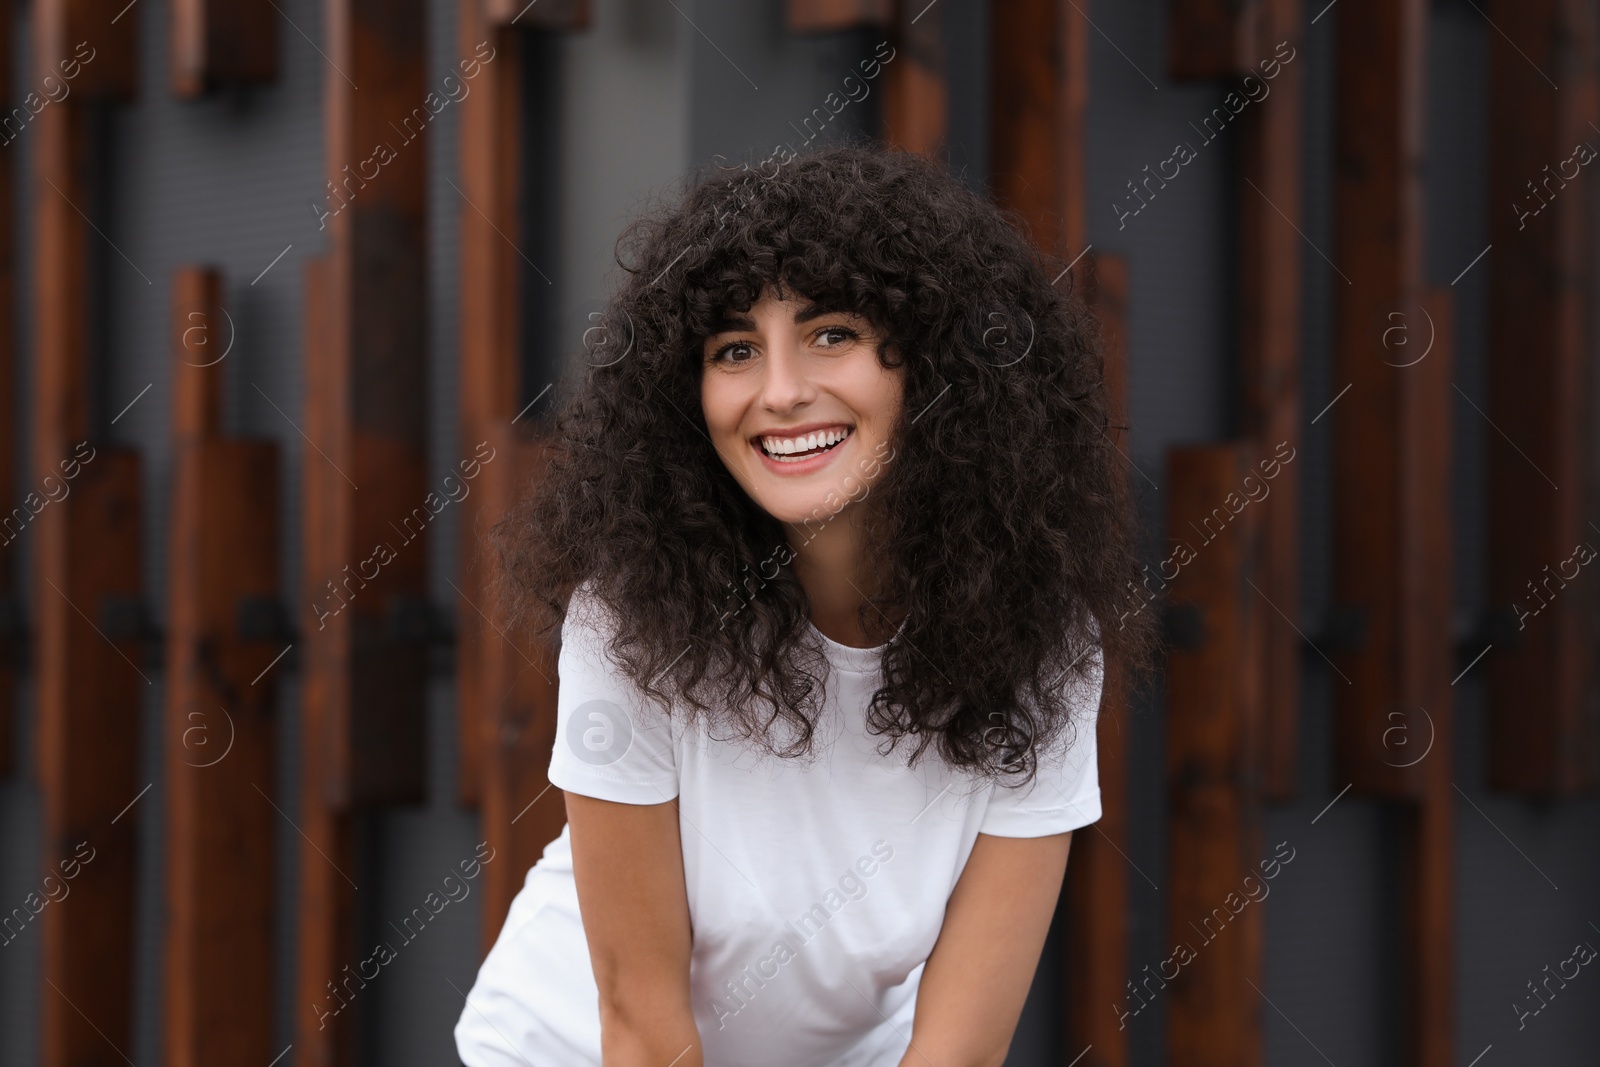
x: 784, y: 446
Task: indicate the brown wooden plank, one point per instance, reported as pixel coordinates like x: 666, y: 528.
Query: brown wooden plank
x: 916, y: 108
x: 1214, y: 829
x: 1270, y: 249
x: 7, y: 14
x: 521, y: 813
x: 490, y: 339
x: 1543, y: 734
x: 1097, y: 876
x: 545, y: 14
x: 1427, y: 828
x: 1213, y: 733
x: 365, y: 559
x: 86, y: 551
x: 93, y: 43
x: 1038, y: 102
x: 824, y: 16
x: 89, y: 692
x: 1213, y: 39
x: 222, y: 42
x: 1378, y: 249
x: 220, y: 727
x: 364, y: 556
x: 1393, y: 516
x: 324, y: 1031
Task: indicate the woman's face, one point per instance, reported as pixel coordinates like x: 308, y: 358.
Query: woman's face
x: 798, y: 406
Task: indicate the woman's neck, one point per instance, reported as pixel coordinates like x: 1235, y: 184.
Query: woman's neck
x: 829, y: 565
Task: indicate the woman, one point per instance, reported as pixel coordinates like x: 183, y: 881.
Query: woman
x: 838, y: 545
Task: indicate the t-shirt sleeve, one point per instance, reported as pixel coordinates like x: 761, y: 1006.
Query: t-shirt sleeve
x: 611, y: 741
x: 1065, y: 792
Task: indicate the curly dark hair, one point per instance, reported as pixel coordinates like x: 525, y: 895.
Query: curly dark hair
x: 1004, y: 523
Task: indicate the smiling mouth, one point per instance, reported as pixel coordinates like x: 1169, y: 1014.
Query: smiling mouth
x: 796, y: 457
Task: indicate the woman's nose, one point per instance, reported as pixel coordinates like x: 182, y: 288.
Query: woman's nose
x: 785, y: 383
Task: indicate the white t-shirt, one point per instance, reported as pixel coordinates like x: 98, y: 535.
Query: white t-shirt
x: 816, y: 889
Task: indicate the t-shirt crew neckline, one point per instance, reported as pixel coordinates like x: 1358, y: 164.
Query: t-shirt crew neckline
x: 848, y: 657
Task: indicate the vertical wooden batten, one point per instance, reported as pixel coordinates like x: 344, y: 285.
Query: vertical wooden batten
x: 491, y: 336
x: 1424, y: 736
x: 1039, y: 88
x: 101, y: 36
x: 368, y: 396
x: 1213, y: 38
x: 1240, y: 46
x: 823, y: 16
x: 916, y: 109
x: 1270, y: 249
x: 1544, y: 737
x: 522, y: 813
x: 1213, y: 734
x: 222, y: 42
x: 1376, y: 469
x: 220, y: 729
x: 506, y: 692
x: 1392, y: 476
x: 1097, y: 879
x: 86, y: 557
x: 368, y: 502
x: 324, y: 1034
x: 1038, y: 104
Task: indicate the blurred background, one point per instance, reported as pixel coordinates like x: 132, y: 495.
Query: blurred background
x: 285, y: 288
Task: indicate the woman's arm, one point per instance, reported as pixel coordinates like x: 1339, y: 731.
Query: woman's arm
x: 978, y: 974
x: 628, y: 862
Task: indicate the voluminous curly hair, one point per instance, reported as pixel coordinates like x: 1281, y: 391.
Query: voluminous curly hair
x: 1004, y: 520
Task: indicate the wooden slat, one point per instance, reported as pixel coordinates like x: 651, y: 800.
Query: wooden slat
x: 365, y: 549
x: 368, y: 399
x: 97, y: 39
x: 89, y: 695
x: 86, y: 550
x: 222, y: 42
x: 1378, y: 248
x: 324, y: 1033
x: 1039, y: 95
x: 916, y: 109
x: 823, y: 16
x: 1392, y: 474
x: 1214, y: 830
x: 1270, y: 250
x: 1543, y: 738
x: 1427, y: 828
x: 1213, y: 39
x: 220, y: 727
x: 492, y: 341
x: 491, y: 336
x: 1097, y: 876
x: 545, y: 14
x: 521, y: 813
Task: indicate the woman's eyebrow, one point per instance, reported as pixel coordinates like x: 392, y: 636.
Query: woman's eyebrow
x: 816, y: 311
x: 733, y: 320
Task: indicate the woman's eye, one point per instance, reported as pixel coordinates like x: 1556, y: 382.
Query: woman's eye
x: 722, y: 355
x: 843, y: 334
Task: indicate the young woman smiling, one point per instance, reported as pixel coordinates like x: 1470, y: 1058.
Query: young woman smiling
x: 835, y: 539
